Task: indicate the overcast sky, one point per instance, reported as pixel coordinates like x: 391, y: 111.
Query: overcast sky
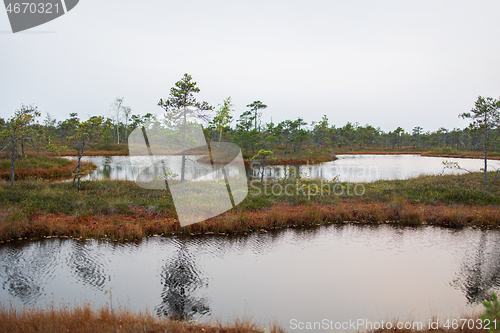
x: 387, y: 63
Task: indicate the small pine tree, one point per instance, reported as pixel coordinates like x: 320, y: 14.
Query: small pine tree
x: 262, y: 160
x: 491, y: 317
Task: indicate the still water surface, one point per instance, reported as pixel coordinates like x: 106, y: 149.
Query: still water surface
x: 338, y: 272
x: 350, y: 168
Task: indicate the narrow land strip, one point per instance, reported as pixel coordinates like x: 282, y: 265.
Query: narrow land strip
x: 121, y: 210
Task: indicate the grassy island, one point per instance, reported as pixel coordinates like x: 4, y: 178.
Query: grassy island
x: 41, y: 166
x: 121, y: 210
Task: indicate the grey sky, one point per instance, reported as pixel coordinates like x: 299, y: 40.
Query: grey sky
x: 385, y: 63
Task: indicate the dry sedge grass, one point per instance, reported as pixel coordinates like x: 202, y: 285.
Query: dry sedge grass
x: 73, y: 152
x: 54, y: 171
x: 113, y: 149
x: 121, y: 210
x: 278, y: 161
x: 41, y: 166
x: 14, y: 224
x: 85, y: 319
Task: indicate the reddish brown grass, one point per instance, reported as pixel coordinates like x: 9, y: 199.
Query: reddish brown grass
x: 123, y: 152
x: 15, y: 224
x: 465, y: 154
x: 378, y: 152
x: 72, y: 152
x: 406, y: 151
x: 368, y: 150
x: 278, y: 161
x: 85, y: 319
x: 302, y: 161
x: 53, y: 171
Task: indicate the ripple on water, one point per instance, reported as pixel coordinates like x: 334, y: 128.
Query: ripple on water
x: 309, y: 273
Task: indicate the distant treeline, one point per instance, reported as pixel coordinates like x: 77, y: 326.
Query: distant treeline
x: 297, y: 135
x: 291, y: 136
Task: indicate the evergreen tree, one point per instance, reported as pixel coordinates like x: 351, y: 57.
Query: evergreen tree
x: 180, y: 107
x: 485, y: 116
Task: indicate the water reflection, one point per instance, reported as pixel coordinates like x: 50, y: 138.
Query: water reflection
x: 351, y: 168
x: 306, y: 273
x: 480, y: 268
x: 181, y: 279
x: 128, y: 168
x: 86, y: 265
x: 25, y: 269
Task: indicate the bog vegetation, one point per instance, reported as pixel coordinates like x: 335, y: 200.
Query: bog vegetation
x: 123, y: 211
x: 118, y: 209
x: 290, y: 139
x: 84, y: 319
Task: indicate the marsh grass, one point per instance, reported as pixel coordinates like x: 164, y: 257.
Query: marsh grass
x: 40, y: 166
x: 306, y: 153
x: 123, y: 211
x: 466, y: 189
x: 281, y: 159
x: 453, y: 152
x: 84, y: 319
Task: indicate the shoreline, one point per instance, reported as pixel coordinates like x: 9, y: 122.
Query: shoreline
x: 51, y: 167
x: 139, y: 223
x: 101, y: 319
x: 120, y: 210
x: 465, y: 154
x: 87, y: 167
x: 104, y: 319
x: 284, y: 160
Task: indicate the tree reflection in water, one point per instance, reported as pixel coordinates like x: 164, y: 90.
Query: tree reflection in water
x: 86, y: 265
x: 180, y: 280
x: 480, y: 271
x: 25, y: 269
